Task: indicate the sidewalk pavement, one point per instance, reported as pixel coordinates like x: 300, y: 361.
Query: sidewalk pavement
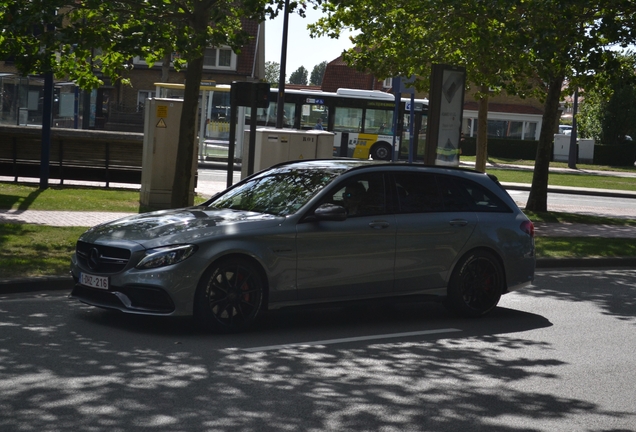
x: 87, y: 219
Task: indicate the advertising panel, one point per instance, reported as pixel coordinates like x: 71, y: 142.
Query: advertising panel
x: 445, y: 115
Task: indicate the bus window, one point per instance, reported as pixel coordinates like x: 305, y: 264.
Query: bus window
x: 217, y: 116
x: 311, y: 113
x: 348, y: 120
x: 267, y: 116
x: 378, y: 122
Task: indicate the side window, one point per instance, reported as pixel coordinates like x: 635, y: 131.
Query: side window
x: 348, y: 119
x: 460, y: 194
x: 314, y: 117
x: 417, y: 193
x: 361, y: 196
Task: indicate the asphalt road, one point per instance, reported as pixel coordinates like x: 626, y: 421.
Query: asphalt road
x: 555, y: 357
x: 583, y: 204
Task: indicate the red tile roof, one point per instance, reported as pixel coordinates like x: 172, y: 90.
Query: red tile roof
x: 339, y: 75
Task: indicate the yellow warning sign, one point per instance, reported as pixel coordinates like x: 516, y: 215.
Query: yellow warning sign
x: 161, y: 123
x: 162, y: 111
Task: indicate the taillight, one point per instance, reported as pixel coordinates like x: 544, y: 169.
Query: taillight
x: 527, y: 227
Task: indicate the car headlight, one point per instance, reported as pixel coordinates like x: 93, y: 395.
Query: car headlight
x: 165, y: 256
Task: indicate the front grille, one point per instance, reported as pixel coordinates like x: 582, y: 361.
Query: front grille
x: 102, y: 259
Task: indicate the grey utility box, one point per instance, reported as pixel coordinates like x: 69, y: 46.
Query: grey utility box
x: 585, y: 149
x: 161, y: 139
x: 273, y: 146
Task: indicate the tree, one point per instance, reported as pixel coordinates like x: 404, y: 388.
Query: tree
x: 299, y: 76
x: 576, y: 49
x: 526, y: 48
x: 97, y: 36
x: 272, y: 73
x: 407, y: 40
x: 318, y: 73
x: 608, y: 112
x: 590, y: 116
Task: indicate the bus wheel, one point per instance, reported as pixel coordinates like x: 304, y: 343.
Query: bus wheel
x: 381, y: 151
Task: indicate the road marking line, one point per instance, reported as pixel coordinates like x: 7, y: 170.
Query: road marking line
x: 351, y: 339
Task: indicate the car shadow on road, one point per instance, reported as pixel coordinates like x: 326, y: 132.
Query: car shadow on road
x: 297, y: 324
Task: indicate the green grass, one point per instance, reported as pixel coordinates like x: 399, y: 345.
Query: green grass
x: 35, y: 250
x: 27, y: 197
x: 557, y: 217
x: 571, y: 180
x: 530, y: 163
x: 577, y: 247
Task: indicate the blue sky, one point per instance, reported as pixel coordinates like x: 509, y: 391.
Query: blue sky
x: 301, y: 49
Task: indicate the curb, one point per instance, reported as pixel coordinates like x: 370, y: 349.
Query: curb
x: 44, y: 283
x: 610, y: 262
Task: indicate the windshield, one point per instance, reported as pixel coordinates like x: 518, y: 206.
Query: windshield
x: 280, y: 193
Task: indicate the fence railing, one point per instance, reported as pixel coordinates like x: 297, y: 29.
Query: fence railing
x: 101, y: 156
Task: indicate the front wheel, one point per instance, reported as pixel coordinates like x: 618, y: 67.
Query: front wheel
x: 229, y: 296
x: 381, y: 152
x: 476, y: 284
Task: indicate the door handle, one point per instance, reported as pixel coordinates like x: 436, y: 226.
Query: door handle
x: 379, y: 224
x: 458, y: 222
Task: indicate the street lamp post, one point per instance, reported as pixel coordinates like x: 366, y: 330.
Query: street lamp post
x: 280, y: 109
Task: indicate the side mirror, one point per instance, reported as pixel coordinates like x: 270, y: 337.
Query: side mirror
x: 330, y: 212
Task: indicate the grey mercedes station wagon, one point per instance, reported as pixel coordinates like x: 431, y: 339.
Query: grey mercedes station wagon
x: 313, y: 231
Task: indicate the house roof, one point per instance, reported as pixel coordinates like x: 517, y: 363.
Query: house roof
x: 339, y: 75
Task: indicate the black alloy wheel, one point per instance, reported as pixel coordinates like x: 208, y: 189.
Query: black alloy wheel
x: 476, y: 284
x: 229, y: 296
x: 381, y: 152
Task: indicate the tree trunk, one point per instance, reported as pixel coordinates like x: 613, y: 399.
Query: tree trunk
x: 538, y: 198
x: 482, y: 131
x: 182, y: 187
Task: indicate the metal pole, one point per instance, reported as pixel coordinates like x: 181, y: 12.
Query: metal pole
x: 47, y: 119
x: 280, y: 108
x: 412, y: 147
x: 232, y: 139
x: 396, y: 83
x: 573, y: 153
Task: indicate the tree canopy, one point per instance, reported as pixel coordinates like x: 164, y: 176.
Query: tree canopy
x: 608, y: 114
x: 317, y: 73
x: 95, y: 36
x: 525, y: 47
x: 272, y: 73
x: 299, y: 76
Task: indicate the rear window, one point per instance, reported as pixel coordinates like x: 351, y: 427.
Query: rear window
x: 426, y: 192
x: 459, y: 194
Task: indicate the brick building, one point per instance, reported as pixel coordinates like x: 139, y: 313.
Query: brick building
x: 115, y: 106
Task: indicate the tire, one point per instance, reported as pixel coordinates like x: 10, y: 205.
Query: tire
x: 476, y: 284
x: 381, y: 151
x: 229, y: 296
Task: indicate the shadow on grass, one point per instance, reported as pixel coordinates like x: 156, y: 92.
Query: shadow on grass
x: 7, y: 202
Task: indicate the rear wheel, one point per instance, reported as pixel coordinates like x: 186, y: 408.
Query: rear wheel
x: 229, y: 296
x: 381, y: 151
x: 476, y: 284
